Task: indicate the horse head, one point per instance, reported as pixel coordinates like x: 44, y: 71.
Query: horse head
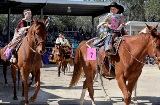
x: 154, y: 45
x: 37, y: 34
x: 147, y: 29
x: 151, y: 29
x: 57, y: 51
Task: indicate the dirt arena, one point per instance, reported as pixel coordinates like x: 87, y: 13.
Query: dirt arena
x: 54, y: 90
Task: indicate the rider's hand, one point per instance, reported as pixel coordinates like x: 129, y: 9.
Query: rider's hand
x: 27, y: 27
x: 110, y: 25
x: 122, y: 25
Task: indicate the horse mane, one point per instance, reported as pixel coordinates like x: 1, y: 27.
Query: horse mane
x: 144, y: 30
x: 37, y: 21
x: 139, y: 36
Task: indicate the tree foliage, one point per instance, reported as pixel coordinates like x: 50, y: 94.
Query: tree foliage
x: 135, y: 10
x: 152, y: 10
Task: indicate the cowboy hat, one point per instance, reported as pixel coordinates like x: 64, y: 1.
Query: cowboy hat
x: 114, y: 4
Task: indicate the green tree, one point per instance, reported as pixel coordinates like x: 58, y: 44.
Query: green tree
x: 152, y: 10
x: 134, y: 10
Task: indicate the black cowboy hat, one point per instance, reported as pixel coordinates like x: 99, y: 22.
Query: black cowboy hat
x: 114, y: 4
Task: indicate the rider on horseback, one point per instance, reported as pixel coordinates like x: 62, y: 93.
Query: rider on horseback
x: 64, y: 42
x: 113, y: 22
x: 20, y: 32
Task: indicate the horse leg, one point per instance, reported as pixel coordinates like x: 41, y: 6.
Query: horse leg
x: 37, y: 80
x: 122, y: 85
x: 69, y: 67
x: 18, y: 78
x: 5, y: 72
x: 88, y: 83
x: 82, y: 96
x: 13, y: 73
x: 65, y: 67
x: 59, y: 69
x: 25, y: 76
x: 98, y: 78
x: 134, y: 93
x: 91, y: 90
x: 22, y: 89
x: 131, y: 85
x: 30, y: 83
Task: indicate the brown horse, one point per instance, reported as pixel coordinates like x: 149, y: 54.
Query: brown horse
x: 62, y: 56
x: 29, y: 58
x: 128, y: 62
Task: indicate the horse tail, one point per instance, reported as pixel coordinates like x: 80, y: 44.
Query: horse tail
x: 77, y: 72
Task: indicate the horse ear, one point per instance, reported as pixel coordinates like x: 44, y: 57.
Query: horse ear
x: 149, y: 27
x: 157, y: 25
x: 35, y: 20
x: 46, y: 21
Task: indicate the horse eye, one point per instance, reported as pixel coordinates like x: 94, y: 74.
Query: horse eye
x: 155, y: 30
x: 157, y: 47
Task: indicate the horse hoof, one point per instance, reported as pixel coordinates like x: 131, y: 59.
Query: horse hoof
x: 31, y: 100
x: 108, y: 98
x: 6, y: 85
x: 122, y: 99
x: 23, y: 102
x: 15, y: 98
x: 134, y: 99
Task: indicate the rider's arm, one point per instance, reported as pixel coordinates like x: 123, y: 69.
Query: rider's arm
x: 67, y: 43
x: 57, y: 41
x: 21, y: 26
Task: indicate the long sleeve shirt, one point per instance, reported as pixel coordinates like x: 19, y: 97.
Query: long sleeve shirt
x: 115, y: 19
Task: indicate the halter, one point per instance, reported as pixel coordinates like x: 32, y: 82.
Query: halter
x: 36, y: 41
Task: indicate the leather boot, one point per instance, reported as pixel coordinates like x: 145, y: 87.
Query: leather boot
x: 110, y: 50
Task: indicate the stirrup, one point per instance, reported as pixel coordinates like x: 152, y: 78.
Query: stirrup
x: 13, y: 59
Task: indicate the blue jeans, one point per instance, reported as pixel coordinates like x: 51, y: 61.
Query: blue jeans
x: 108, y: 38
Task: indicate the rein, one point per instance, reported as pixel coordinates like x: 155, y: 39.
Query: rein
x: 130, y: 52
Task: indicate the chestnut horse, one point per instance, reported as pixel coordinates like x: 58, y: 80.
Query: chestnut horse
x: 128, y: 62
x: 62, y: 56
x: 29, y: 58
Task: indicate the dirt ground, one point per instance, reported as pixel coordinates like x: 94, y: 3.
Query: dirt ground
x: 54, y: 90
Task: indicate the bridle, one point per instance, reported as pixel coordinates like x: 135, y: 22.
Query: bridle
x: 61, y: 49
x: 154, y: 45
x: 154, y: 55
x: 35, y: 33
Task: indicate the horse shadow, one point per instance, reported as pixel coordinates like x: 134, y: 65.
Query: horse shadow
x: 6, y: 93
x: 114, y: 101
